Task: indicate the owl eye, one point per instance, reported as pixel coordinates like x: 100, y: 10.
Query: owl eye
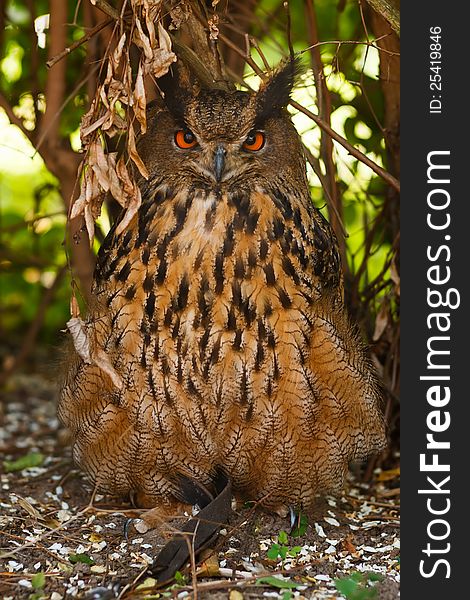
x: 254, y: 141
x: 185, y: 139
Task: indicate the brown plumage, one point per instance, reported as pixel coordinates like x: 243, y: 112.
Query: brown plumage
x: 220, y: 307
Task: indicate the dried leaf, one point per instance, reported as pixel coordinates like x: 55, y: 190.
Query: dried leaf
x: 74, y: 308
x: 82, y: 345
x: 80, y: 339
x: 394, y: 276
x: 79, y: 205
x: 132, y: 209
x: 117, y: 54
x: 29, y: 508
x: 381, y: 320
x: 388, y: 475
x: 101, y: 360
x: 99, y: 164
x: 140, y: 101
x: 163, y: 56
x: 85, y: 131
x: 209, y: 567
x: 131, y: 148
x: 142, y: 40
x: 348, y: 546
x: 90, y: 223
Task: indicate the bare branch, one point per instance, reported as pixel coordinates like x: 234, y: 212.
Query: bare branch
x: 56, y: 78
x: 50, y: 63
x: 392, y: 181
x: 388, y: 11
x: 13, y: 118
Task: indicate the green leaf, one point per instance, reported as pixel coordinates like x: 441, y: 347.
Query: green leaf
x: 374, y: 576
x: 353, y: 587
x: 283, y: 539
x: 294, y: 551
x: 33, y: 459
x: 81, y: 558
x: 301, y: 526
x: 278, y: 583
x: 287, y: 595
x: 180, y: 579
x: 283, y: 551
x: 273, y: 552
x: 38, y: 581
x: 346, y: 586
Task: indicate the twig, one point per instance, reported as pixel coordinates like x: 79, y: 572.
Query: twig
x: 192, y: 556
x: 289, y: 29
x: 130, y: 585
x: 50, y: 63
x: 13, y: 118
x: 339, y: 43
x: 392, y: 181
x: 326, y: 146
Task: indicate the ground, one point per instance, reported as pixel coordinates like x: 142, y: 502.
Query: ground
x: 59, y: 540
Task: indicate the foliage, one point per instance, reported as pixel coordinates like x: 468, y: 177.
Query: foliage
x: 81, y: 558
x: 282, y: 550
x: 356, y: 585
x: 33, y: 459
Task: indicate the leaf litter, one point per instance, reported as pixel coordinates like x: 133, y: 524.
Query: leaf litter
x: 56, y: 544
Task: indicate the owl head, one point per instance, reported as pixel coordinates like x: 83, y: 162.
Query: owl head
x: 223, y: 139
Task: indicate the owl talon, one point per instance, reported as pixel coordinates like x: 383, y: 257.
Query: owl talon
x: 293, y: 517
x: 127, y: 524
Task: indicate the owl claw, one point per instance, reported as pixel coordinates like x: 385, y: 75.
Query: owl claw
x: 293, y: 517
x: 127, y: 524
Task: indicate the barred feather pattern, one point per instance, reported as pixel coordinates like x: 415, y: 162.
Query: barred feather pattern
x: 222, y: 312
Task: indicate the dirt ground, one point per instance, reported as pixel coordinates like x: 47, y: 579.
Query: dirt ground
x: 58, y: 540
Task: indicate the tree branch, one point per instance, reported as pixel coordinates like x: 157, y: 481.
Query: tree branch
x: 388, y: 11
x: 349, y: 147
x: 50, y: 63
x: 335, y: 207
x: 106, y: 8
x: 13, y: 118
x: 56, y: 77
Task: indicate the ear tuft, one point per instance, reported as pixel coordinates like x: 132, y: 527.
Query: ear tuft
x: 177, y: 89
x: 274, y: 95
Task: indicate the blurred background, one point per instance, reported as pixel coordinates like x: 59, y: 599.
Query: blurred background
x: 350, y: 53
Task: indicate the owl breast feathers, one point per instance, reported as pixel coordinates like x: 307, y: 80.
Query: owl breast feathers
x: 220, y: 310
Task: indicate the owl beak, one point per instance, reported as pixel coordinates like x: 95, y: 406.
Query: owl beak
x: 219, y: 162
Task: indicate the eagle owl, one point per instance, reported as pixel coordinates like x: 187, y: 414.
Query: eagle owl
x: 220, y: 307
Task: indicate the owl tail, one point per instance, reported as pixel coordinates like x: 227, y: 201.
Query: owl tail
x: 199, y: 532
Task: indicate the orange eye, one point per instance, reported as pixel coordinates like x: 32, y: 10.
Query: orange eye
x: 185, y: 139
x: 254, y: 141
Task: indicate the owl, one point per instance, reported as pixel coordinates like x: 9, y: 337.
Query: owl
x: 220, y: 308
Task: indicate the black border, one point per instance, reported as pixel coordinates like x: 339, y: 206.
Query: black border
x: 423, y: 132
